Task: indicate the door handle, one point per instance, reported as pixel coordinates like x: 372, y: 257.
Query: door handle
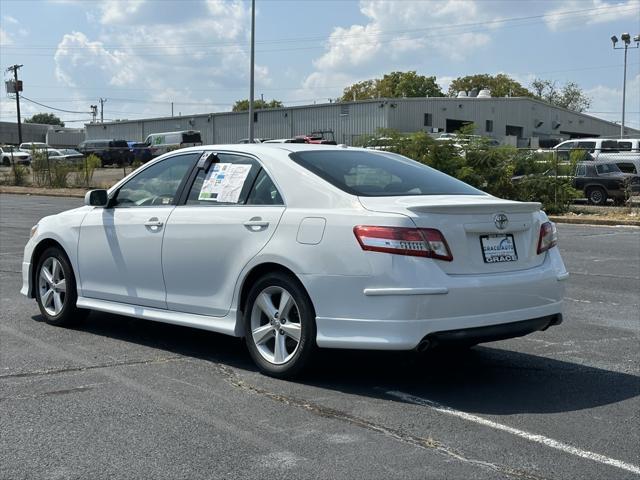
x: 256, y: 224
x: 153, y: 222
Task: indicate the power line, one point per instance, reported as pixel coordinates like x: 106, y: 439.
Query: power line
x: 50, y: 107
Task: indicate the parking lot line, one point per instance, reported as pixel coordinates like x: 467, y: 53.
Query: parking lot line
x: 549, y: 442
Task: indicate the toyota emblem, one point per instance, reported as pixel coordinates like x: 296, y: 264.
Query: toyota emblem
x: 501, y: 221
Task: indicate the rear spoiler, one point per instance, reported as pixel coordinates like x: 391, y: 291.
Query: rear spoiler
x: 484, y: 207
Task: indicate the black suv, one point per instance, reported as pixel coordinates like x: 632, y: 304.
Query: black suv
x: 600, y: 181
x: 110, y: 152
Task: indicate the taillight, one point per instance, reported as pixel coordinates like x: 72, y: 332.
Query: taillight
x: 416, y: 242
x: 548, y: 237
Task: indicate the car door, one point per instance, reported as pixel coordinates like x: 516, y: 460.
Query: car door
x: 229, y: 214
x: 120, y: 245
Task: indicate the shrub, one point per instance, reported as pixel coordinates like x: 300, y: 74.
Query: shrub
x: 491, y: 169
x: 39, y: 167
x: 19, y: 175
x: 86, y: 169
x: 59, y: 174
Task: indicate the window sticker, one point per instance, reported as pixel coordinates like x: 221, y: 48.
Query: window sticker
x: 224, y: 183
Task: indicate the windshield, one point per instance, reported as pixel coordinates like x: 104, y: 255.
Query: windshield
x: 380, y: 174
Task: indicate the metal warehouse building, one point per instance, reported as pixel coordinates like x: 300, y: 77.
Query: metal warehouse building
x: 517, y: 121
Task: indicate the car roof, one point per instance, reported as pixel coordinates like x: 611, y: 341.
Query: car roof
x: 256, y: 148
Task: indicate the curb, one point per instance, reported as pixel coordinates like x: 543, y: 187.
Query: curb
x: 73, y: 193
x: 594, y: 221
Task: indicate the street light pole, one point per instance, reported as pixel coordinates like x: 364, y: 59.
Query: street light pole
x: 253, y: 44
x: 626, y: 39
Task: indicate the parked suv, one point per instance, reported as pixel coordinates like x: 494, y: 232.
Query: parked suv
x: 110, y: 152
x: 11, y: 155
x: 600, y: 181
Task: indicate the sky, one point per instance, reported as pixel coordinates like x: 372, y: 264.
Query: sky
x: 142, y: 55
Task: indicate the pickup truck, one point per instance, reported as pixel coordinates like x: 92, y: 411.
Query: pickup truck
x: 600, y: 181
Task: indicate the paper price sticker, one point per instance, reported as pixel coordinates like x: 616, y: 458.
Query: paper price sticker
x: 224, y: 183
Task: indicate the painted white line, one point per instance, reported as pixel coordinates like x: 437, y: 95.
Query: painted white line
x: 549, y: 442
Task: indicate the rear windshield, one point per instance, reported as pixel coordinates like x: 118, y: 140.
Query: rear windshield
x: 380, y: 174
x: 191, y: 137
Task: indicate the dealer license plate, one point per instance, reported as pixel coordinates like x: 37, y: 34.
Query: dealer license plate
x: 498, y: 248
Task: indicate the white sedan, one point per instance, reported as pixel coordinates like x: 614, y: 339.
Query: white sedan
x: 295, y: 247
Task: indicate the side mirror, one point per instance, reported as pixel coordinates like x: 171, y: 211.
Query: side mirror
x: 96, y: 198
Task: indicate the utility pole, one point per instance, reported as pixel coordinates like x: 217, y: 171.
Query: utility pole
x: 102, y: 102
x: 253, y: 46
x: 172, y: 109
x: 94, y: 113
x: 14, y: 69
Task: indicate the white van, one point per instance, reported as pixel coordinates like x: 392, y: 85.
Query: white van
x: 160, y: 143
x: 625, y: 152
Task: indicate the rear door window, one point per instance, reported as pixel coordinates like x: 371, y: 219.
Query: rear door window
x: 624, y: 146
x: 225, y: 183
x: 610, y: 146
x: 588, y: 146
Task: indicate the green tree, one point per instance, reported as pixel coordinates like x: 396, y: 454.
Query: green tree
x: 501, y: 85
x: 243, y: 105
x: 393, y: 85
x: 45, y: 119
x: 569, y: 96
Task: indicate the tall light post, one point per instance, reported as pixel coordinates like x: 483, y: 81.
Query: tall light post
x: 626, y: 40
x: 253, y: 45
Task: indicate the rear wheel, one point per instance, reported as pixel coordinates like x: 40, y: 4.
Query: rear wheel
x: 6, y: 162
x: 280, y: 329
x: 56, y: 289
x: 596, y: 196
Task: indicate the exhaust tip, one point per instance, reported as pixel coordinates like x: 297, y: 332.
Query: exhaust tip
x: 423, y: 346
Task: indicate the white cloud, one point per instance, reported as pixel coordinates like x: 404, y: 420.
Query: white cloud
x: 115, y: 11
x: 77, y: 53
x: 398, y: 32
x: 10, y: 19
x: 607, y: 102
x: 163, y: 52
x: 595, y: 11
x: 5, y: 38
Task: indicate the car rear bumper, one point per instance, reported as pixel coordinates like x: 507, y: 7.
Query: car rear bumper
x: 364, y: 313
x: 408, y: 334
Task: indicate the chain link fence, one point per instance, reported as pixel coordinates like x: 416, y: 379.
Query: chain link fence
x: 552, y: 177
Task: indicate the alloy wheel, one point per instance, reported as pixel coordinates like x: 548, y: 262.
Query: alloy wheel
x: 275, y: 325
x: 52, y: 286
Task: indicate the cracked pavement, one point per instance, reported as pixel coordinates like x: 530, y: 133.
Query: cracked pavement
x: 117, y: 397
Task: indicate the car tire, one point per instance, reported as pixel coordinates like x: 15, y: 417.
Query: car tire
x: 6, y: 162
x: 55, y: 289
x: 596, y: 196
x: 279, y: 324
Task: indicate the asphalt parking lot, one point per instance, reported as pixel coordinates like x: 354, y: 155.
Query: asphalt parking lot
x: 124, y: 398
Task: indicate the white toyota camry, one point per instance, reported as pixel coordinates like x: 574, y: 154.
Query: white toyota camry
x: 296, y: 247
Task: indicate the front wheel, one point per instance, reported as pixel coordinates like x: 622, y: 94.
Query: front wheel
x: 56, y: 289
x: 280, y: 329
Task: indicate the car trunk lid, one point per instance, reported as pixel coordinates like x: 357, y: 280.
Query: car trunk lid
x: 475, y: 229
